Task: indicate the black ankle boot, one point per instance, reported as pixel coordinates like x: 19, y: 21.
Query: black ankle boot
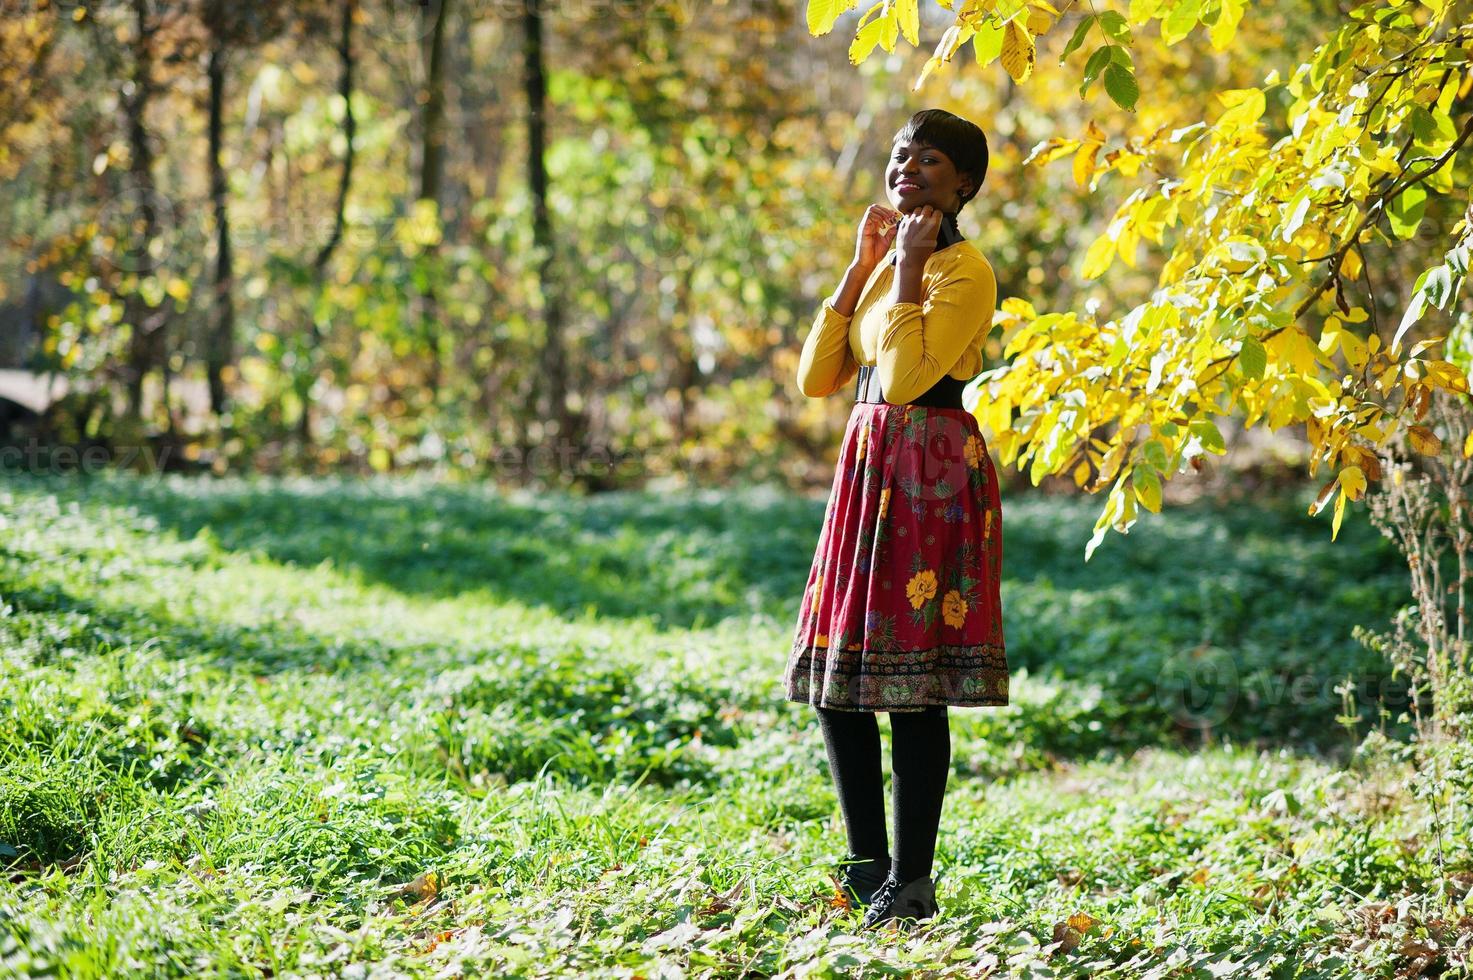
x: 859, y: 878
x: 913, y: 900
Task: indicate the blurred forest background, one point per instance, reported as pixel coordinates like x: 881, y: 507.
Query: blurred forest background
x: 418, y: 702
x: 372, y: 235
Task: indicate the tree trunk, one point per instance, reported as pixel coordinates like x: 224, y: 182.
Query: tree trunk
x: 350, y: 129
x: 432, y: 166
x: 553, y: 379
x: 339, y: 221
x: 146, y: 346
x: 431, y: 177
x: 220, y: 349
x: 685, y: 361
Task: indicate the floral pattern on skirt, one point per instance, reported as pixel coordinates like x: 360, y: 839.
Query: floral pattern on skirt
x: 902, y: 609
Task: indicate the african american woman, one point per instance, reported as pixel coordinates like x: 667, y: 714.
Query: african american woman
x: 901, y: 612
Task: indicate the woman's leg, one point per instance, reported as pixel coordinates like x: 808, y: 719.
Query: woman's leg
x: 920, y: 747
x: 852, y: 739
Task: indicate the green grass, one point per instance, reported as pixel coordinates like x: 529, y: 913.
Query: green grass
x: 404, y: 728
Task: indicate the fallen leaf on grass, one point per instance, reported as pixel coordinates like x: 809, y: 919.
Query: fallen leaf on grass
x: 1082, y: 921
x: 1069, y: 933
x: 421, y: 889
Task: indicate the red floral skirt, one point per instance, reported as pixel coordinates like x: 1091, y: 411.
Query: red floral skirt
x: 902, y: 607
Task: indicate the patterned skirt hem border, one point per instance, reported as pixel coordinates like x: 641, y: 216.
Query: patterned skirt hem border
x: 989, y: 703
x: 955, y: 676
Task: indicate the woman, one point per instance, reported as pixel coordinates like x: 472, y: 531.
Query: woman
x: 902, y: 612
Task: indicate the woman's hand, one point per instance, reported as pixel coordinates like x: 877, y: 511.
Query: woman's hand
x: 917, y: 234
x: 876, y: 232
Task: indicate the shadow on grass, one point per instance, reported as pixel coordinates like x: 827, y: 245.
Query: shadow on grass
x: 1224, y: 620
x: 88, y: 625
x: 680, y: 560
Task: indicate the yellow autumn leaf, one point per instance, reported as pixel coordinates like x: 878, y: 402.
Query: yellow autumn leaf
x: 1098, y: 256
x: 1019, y: 307
x: 1147, y: 486
x: 870, y: 32
x: 1323, y: 497
x: 1352, y: 482
x: 1084, y: 162
x: 1046, y: 151
x: 422, y: 888
x: 1127, y: 163
x: 932, y: 63
x: 1330, y: 335
x: 908, y: 14
x: 952, y: 39
x: 889, y: 28
x: 1446, y: 374
x: 1017, y: 51
x: 1292, y: 346
x: 1222, y: 30
x: 1244, y: 108
x: 1149, y: 216
x: 823, y: 13
x: 1354, y: 350
x: 1141, y: 11
x: 1339, y: 513
x: 1127, y: 513
x: 1423, y: 440
x: 1082, y: 921
x: 1125, y: 246
x: 987, y: 45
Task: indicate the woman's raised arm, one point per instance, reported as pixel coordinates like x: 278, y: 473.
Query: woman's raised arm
x: 827, y: 362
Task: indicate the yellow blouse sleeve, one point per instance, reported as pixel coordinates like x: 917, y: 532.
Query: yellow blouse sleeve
x: 827, y: 362
x: 921, y: 342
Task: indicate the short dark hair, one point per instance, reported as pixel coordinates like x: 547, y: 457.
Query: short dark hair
x: 960, y: 139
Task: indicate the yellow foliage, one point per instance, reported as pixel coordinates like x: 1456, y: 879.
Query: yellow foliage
x: 1244, y: 108
x: 1423, y: 440
x: 1098, y: 256
x: 1352, y: 482
x: 1017, y: 51
x: 908, y: 15
x: 823, y: 13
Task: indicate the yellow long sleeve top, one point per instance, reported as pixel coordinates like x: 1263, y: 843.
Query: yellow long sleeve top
x: 912, y: 345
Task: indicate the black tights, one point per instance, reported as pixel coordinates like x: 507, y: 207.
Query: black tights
x: 920, y: 761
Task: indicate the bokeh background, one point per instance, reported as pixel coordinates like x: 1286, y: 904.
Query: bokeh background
x: 406, y: 501
x: 596, y: 229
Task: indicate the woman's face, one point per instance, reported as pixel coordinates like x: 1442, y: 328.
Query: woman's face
x: 918, y: 174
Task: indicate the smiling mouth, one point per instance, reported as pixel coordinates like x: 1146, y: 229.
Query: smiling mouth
x: 907, y: 185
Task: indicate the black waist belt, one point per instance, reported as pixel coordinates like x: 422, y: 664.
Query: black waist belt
x: 946, y: 393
